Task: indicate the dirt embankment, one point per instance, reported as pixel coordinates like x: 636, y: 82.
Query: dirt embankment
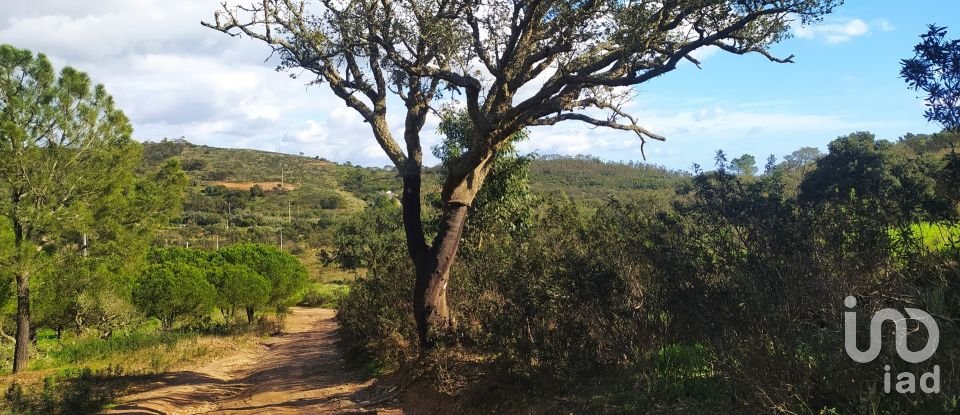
x: 248, y: 185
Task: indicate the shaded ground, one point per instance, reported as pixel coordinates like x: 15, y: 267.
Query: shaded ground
x: 298, y: 372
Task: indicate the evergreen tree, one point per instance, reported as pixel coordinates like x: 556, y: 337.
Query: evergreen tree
x: 66, y: 151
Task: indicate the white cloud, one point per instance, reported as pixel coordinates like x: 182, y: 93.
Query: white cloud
x: 883, y: 25
x: 139, y: 27
x: 837, y: 31
x: 175, y: 78
x: 703, y: 53
x: 694, y: 134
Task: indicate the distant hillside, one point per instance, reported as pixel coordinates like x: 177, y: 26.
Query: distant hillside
x: 592, y: 180
x: 248, y: 195
x: 228, y: 165
x: 251, y: 195
x: 238, y: 195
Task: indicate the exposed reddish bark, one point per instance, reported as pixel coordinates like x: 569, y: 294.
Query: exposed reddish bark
x: 433, y: 274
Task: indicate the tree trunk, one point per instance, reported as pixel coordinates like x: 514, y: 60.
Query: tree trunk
x: 250, y: 314
x: 77, y: 321
x: 432, y: 263
x: 21, y: 353
x: 433, y: 274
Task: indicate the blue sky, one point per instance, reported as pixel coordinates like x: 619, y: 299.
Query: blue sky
x: 845, y: 79
x: 175, y: 78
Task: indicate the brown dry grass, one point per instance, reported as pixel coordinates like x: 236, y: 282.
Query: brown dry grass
x: 248, y: 185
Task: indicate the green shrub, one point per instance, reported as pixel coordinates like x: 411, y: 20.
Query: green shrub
x: 375, y: 315
x: 376, y: 320
x: 284, y: 271
x: 727, y: 300
x: 178, y: 255
x: 172, y: 291
x: 686, y: 371
x: 194, y: 164
x: 239, y: 286
x: 94, y: 348
x: 331, y: 200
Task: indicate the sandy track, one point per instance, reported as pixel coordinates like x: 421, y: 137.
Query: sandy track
x: 298, y: 372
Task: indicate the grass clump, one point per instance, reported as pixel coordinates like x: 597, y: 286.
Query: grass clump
x: 70, y: 391
x: 95, y: 349
x: 323, y: 295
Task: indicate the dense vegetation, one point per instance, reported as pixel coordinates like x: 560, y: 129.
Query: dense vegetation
x: 214, y: 264
x: 606, y: 270
x: 727, y: 298
x: 589, y: 55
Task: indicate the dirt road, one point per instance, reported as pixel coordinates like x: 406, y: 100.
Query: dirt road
x: 298, y: 372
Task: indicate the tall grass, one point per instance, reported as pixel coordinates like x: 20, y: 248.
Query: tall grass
x: 323, y: 295
x: 94, y: 349
x: 936, y: 237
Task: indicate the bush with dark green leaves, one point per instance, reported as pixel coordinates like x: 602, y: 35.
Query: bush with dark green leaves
x: 239, y: 287
x: 173, y: 291
x: 375, y: 315
x: 285, y: 273
x: 729, y: 300
x: 331, y: 200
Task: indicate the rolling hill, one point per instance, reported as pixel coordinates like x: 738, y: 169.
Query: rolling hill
x: 250, y: 195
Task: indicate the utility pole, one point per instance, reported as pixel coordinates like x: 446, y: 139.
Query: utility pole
x: 280, y: 224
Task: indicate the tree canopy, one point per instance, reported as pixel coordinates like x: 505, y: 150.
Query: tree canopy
x: 745, y: 165
x: 867, y: 175
x: 171, y: 291
x: 239, y: 286
x: 935, y: 70
x: 566, y: 57
x: 510, y: 65
x: 66, y: 152
x: 284, y: 271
